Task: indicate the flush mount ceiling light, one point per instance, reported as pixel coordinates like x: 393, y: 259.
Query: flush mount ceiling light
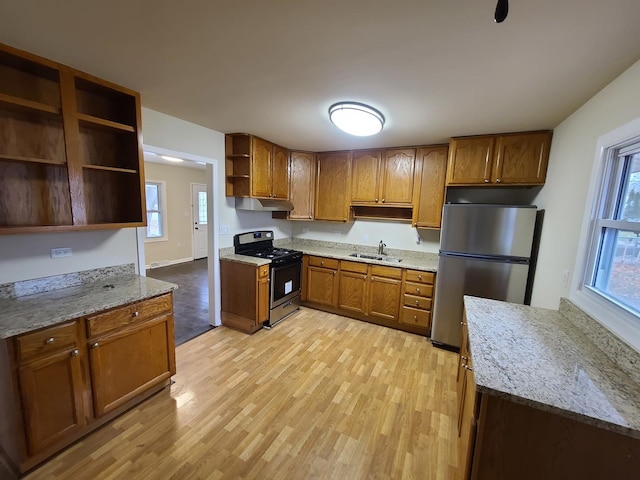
x: 356, y: 118
x: 171, y: 159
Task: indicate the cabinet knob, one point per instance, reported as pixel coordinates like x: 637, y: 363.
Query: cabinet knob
x: 333, y: 273
x: 419, y: 277
x: 49, y: 340
x: 321, y: 263
x: 467, y: 367
x: 417, y: 302
x: 462, y: 323
x: 344, y: 219
x: 383, y: 200
x: 135, y: 314
x: 376, y: 200
x: 310, y: 216
x: 418, y: 290
x: 463, y: 357
x: 364, y: 277
x: 486, y: 180
x: 498, y: 180
x: 95, y: 345
x: 75, y: 353
x: 415, y: 317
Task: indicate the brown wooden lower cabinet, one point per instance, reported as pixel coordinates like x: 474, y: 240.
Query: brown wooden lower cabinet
x: 365, y: 292
x: 244, y: 295
x: 503, y: 440
x: 48, y: 377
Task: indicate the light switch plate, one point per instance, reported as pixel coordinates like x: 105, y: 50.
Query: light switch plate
x: 224, y: 229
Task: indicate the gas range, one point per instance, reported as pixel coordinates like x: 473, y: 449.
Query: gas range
x: 260, y: 244
x: 278, y: 256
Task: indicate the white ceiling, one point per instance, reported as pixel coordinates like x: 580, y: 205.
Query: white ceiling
x: 434, y: 68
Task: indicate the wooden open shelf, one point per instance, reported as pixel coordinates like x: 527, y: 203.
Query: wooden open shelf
x: 70, y: 154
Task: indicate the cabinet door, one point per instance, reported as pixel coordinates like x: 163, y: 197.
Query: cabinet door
x: 352, y: 292
x: 321, y: 286
x: 263, y: 300
x: 126, y: 364
x: 431, y: 168
x: 261, y: 168
x: 470, y: 160
x: 397, y: 182
x: 468, y: 422
x: 302, y: 185
x: 522, y: 159
x: 384, y: 298
x: 365, y: 178
x: 333, y: 186
x: 51, y: 391
x: 280, y: 175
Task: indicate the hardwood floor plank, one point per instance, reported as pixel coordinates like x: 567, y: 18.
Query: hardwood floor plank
x: 319, y: 396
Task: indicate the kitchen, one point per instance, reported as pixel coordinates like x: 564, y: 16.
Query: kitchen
x: 571, y: 159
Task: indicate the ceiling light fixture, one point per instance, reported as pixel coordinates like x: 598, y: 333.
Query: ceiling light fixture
x: 171, y: 159
x: 356, y: 118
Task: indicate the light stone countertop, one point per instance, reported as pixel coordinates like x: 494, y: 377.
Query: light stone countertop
x: 31, y: 312
x: 410, y: 259
x: 538, y: 357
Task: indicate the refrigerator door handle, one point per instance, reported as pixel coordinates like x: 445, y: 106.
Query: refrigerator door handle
x: 489, y: 258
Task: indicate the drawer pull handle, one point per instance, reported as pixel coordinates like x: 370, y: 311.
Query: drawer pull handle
x: 75, y: 353
x: 135, y: 314
x: 49, y: 340
x: 95, y: 345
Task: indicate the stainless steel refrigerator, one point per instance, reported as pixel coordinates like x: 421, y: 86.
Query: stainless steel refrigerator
x: 485, y: 251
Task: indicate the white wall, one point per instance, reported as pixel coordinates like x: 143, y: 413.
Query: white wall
x: 396, y: 235
x: 564, y: 195
x: 25, y: 257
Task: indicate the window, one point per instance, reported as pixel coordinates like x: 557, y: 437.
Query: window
x: 202, y: 208
x: 613, y: 266
x: 156, y: 209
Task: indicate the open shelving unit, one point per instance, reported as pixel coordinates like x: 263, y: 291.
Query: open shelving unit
x: 70, y: 149
x: 238, y: 165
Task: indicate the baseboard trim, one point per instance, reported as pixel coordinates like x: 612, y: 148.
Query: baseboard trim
x: 166, y: 263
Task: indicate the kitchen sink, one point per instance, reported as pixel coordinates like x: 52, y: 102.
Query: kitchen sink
x: 383, y: 258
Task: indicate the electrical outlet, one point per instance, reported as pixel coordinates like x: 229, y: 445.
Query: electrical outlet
x: 224, y: 229
x: 365, y: 238
x: 336, y: 233
x: 61, y: 252
x: 565, y: 278
x: 305, y: 230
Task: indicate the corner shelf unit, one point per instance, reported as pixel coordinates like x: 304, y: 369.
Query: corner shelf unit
x: 70, y: 149
x: 238, y: 165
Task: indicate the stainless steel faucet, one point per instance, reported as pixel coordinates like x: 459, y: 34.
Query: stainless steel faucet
x: 381, y: 246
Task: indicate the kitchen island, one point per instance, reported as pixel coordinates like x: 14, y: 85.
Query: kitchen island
x: 545, y: 394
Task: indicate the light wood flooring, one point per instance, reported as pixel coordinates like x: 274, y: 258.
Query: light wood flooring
x: 319, y: 396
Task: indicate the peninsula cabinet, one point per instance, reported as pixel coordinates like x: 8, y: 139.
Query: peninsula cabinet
x: 255, y: 167
x: 244, y: 295
x: 429, y: 188
x: 70, y: 149
x: 496, y: 160
x: 333, y: 186
x: 383, y: 177
x: 502, y: 439
x: 63, y: 381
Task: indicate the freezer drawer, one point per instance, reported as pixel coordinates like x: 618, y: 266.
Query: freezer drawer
x: 458, y: 276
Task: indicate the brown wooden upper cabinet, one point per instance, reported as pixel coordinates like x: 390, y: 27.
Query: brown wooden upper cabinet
x: 255, y: 167
x: 333, y: 185
x: 507, y: 159
x: 429, y: 188
x: 302, y: 185
x: 383, y: 177
x: 70, y: 149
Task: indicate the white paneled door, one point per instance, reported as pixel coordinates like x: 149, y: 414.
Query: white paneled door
x: 199, y: 208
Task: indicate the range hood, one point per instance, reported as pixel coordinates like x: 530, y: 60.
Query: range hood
x: 263, y: 204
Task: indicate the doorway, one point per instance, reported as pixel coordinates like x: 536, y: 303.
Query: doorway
x: 199, y: 218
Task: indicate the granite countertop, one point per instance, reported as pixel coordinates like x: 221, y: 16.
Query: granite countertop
x: 31, y: 312
x: 410, y: 259
x: 539, y: 357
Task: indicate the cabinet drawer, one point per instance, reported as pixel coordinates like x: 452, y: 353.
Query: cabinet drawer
x: 123, y: 316
x: 323, y: 262
x: 263, y: 271
x: 423, y: 303
x: 389, y: 272
x: 420, y: 277
x: 354, y: 267
x: 45, y: 342
x: 413, y: 316
x: 419, y: 289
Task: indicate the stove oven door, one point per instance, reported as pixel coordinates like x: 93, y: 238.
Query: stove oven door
x: 285, y: 283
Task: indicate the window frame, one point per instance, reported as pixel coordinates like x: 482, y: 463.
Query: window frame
x: 621, y: 321
x: 162, y: 210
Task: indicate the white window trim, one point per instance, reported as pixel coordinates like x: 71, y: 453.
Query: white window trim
x: 163, y: 213
x: 618, y: 320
